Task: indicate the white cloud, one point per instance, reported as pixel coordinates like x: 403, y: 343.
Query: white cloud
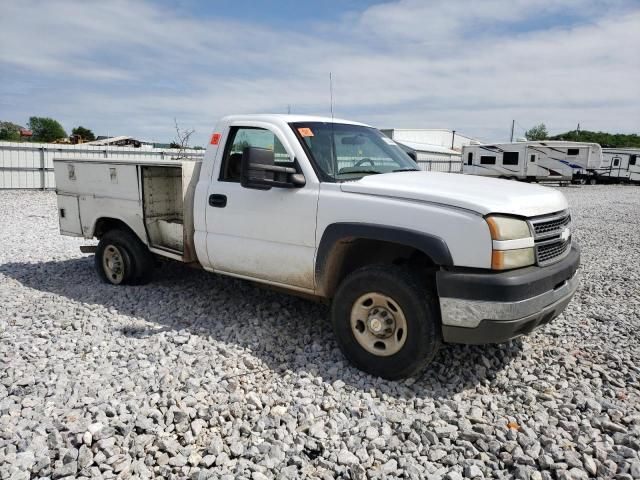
x: 131, y: 67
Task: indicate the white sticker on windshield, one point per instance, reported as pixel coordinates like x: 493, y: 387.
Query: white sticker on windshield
x: 388, y: 141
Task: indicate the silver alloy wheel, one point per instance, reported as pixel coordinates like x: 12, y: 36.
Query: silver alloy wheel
x: 113, y: 264
x: 378, y: 324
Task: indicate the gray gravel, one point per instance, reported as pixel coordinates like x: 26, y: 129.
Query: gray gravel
x: 199, y: 376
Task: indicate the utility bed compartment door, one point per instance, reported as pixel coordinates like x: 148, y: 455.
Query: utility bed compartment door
x: 69, y: 215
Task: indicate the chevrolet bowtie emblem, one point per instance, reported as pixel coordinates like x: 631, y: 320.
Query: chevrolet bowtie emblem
x: 566, y: 233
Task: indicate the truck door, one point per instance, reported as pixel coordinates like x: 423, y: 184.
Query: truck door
x: 267, y: 235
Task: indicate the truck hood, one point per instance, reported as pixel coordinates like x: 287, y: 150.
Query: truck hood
x: 479, y: 194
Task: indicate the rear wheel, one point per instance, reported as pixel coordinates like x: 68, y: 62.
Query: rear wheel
x: 386, y: 321
x: 115, y: 264
x: 121, y: 258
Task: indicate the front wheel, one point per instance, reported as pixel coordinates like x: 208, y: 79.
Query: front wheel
x: 386, y: 321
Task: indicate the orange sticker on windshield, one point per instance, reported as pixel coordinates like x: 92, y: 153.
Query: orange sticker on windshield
x: 215, y: 139
x: 305, y: 132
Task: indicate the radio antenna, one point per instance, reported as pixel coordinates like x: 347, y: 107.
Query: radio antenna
x: 334, y: 161
x: 331, y: 93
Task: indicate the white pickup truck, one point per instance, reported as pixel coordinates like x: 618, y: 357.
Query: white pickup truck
x: 336, y: 211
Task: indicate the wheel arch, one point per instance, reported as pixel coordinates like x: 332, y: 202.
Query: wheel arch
x: 344, y: 247
x: 103, y: 224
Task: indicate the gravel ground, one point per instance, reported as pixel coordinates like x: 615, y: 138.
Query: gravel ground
x: 200, y: 376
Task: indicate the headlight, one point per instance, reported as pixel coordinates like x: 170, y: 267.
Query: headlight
x: 512, y: 243
x: 507, y: 228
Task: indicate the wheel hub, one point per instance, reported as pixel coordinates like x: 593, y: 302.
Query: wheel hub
x: 378, y: 324
x: 113, y: 264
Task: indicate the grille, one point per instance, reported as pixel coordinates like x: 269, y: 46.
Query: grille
x: 550, y: 251
x: 551, y: 226
x: 549, y: 244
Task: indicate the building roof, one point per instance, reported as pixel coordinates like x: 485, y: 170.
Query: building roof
x: 423, y: 130
x: 427, y: 131
x: 427, y: 147
x: 110, y: 140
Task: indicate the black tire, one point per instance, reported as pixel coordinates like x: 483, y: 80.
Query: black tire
x: 418, y: 303
x: 593, y: 181
x: 137, y: 261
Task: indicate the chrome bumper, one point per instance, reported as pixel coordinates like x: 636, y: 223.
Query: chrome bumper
x: 457, y: 312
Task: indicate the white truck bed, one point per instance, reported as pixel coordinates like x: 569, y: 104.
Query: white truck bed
x: 154, y: 198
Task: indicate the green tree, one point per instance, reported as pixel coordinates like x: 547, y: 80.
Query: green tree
x: 539, y: 132
x: 86, y: 134
x: 9, y: 132
x: 607, y: 140
x: 46, y: 129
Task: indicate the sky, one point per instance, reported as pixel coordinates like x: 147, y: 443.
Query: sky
x: 132, y: 67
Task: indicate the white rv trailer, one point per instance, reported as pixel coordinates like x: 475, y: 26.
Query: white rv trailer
x: 619, y: 165
x: 533, y: 161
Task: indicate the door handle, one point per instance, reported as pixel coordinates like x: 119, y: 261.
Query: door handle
x: 218, y: 200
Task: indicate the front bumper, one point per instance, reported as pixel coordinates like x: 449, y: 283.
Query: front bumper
x: 488, y: 307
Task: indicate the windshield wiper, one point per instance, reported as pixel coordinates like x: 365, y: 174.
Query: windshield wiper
x: 406, y: 170
x: 372, y: 172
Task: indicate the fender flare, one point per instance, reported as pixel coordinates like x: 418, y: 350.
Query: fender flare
x: 432, y: 246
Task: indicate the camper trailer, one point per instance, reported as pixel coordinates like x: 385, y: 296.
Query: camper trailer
x: 551, y: 161
x: 619, y: 165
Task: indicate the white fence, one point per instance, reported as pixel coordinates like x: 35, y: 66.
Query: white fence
x: 30, y: 165
x: 453, y: 165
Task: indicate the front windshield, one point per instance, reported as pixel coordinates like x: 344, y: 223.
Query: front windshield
x: 347, y: 152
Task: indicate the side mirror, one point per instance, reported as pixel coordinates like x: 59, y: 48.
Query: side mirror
x: 259, y: 171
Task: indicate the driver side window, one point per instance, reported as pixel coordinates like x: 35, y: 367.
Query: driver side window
x: 243, y: 137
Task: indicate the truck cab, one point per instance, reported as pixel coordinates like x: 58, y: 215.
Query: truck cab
x: 334, y: 210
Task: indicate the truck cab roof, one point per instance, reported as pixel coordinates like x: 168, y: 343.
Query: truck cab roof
x: 286, y: 118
